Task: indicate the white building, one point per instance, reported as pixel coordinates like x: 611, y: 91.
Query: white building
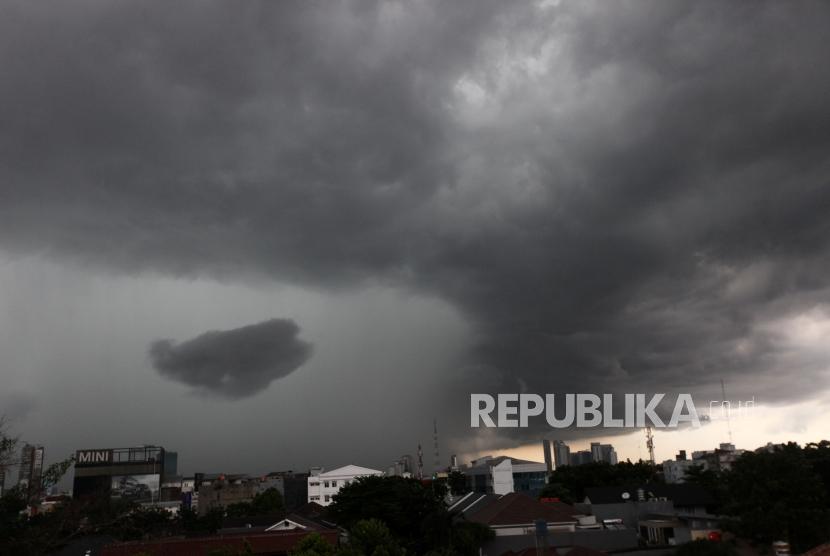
x: 503, y: 475
x: 675, y: 470
x: 323, y: 486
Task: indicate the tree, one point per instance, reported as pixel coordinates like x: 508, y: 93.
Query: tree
x: 192, y: 522
x: 371, y: 537
x: 777, y: 495
x: 19, y: 533
x: 268, y: 502
x: 574, y: 479
x: 468, y: 536
x: 8, y: 444
x: 143, y: 523
x: 818, y: 456
x: 264, y: 503
x: 313, y: 545
x: 414, y: 514
x: 402, y: 504
x: 711, y: 481
x: 457, y: 482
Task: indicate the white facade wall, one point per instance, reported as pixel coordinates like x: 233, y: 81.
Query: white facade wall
x: 502, y: 477
x: 323, y: 487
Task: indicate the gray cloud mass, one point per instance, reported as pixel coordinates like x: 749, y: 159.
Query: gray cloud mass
x: 627, y: 196
x: 233, y: 363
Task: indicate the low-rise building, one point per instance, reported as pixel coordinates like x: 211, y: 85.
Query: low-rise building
x: 663, y: 514
x: 719, y: 459
x: 675, y: 470
x: 323, y: 486
x: 503, y: 475
x: 131, y: 474
x: 224, y: 490
x: 520, y: 522
x: 278, y: 541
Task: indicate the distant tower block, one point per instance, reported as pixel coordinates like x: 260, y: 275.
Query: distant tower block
x: 420, y: 462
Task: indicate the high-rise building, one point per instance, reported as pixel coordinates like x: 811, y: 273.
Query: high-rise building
x: 609, y: 453
x: 31, y: 470
x: 548, y: 457
x: 603, y: 453
x: 581, y: 457
x: 561, y: 453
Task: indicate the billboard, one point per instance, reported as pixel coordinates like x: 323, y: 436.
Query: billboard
x: 93, y: 457
x: 136, y: 488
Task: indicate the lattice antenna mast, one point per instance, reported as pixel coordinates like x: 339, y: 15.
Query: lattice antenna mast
x: 437, y: 462
x: 728, y: 410
x: 650, y: 445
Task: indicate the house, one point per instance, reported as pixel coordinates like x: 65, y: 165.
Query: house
x: 517, y: 514
x: 517, y: 518
x: 662, y: 514
x: 224, y: 490
x: 323, y: 486
x: 275, y: 522
x: 273, y: 543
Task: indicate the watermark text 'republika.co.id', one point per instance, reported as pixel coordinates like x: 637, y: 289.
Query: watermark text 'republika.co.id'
x: 580, y: 410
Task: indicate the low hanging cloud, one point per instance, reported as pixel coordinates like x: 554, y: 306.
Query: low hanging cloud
x: 234, y: 363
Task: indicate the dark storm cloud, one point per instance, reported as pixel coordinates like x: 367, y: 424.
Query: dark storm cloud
x: 16, y: 405
x: 233, y: 363
x: 620, y: 196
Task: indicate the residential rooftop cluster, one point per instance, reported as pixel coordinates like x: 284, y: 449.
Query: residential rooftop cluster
x: 516, y: 500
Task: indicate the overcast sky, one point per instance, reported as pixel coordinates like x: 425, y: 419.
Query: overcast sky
x: 279, y: 234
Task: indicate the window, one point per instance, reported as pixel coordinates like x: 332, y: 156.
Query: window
x: 326, y: 484
x: 314, y: 484
x: 328, y: 498
x: 334, y: 483
x: 314, y: 497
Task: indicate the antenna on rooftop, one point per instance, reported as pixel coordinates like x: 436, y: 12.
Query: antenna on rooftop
x: 437, y: 465
x: 420, y: 462
x: 650, y: 445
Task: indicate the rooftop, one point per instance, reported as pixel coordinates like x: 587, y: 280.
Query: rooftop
x: 521, y: 509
